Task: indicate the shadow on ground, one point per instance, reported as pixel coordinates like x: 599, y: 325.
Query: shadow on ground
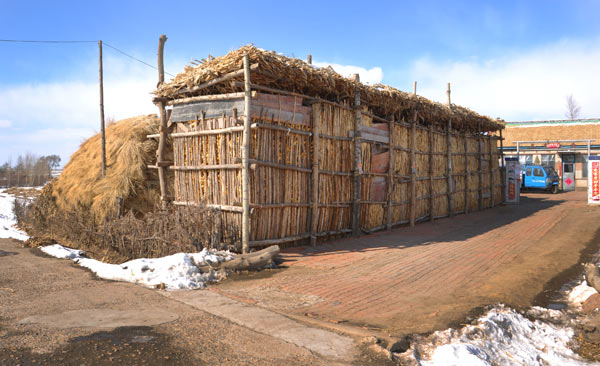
x: 121, y: 346
x: 459, y: 228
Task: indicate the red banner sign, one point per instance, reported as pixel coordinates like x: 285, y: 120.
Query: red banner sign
x: 552, y: 145
x: 595, y: 180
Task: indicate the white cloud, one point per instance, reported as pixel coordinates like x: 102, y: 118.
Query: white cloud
x: 371, y: 76
x: 524, y: 85
x: 55, y: 117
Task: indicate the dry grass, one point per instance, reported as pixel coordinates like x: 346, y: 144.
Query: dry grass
x: 128, y: 153
x: 295, y: 75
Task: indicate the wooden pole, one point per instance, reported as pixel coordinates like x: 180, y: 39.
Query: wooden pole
x: 491, y: 171
x: 449, y: 177
x: 503, y: 170
x: 246, y: 158
x: 431, y: 191
x: 448, y: 93
x: 309, y: 59
x: 467, y: 173
x: 413, y: 171
x: 315, y: 176
x: 390, y: 176
x: 162, y: 139
x: 357, y: 166
x: 102, y: 131
x: 415, y: 88
x: 479, y: 166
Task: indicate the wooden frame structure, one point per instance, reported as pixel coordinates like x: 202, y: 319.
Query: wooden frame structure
x: 282, y: 166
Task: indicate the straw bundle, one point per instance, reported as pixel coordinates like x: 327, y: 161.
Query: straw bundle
x: 128, y: 153
x: 295, y: 75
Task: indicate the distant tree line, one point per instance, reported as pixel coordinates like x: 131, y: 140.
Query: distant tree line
x: 28, y: 171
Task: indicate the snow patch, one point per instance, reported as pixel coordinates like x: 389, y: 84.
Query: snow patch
x: 504, y: 337
x: 177, y: 271
x: 580, y: 293
x: 8, y: 219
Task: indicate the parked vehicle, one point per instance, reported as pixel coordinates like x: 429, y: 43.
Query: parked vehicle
x: 540, y: 177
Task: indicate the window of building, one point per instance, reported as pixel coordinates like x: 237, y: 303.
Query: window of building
x: 548, y: 160
x: 525, y: 159
x: 538, y: 172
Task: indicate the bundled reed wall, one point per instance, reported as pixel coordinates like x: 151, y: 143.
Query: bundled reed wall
x: 207, y: 156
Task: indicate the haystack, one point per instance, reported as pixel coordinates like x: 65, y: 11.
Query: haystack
x: 128, y: 153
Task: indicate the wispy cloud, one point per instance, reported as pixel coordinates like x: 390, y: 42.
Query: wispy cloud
x: 55, y: 117
x: 371, y: 76
x: 531, y: 84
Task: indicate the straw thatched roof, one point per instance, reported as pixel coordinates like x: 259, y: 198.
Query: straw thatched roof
x: 291, y: 74
x: 128, y: 153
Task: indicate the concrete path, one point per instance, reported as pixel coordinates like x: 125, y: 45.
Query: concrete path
x: 325, y: 343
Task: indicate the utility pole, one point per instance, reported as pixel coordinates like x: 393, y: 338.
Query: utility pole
x: 102, y: 112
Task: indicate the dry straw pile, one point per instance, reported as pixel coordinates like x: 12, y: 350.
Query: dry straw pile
x: 128, y: 152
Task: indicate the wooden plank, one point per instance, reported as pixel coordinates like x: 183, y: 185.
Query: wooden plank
x: 162, y: 140
x: 254, y: 163
x: 206, y: 167
x: 211, y: 109
x: 367, y: 135
x: 262, y: 243
x: 203, y: 98
x: 281, y: 128
x: 316, y: 121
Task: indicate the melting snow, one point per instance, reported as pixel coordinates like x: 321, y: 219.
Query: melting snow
x: 7, y: 218
x: 177, y: 271
x: 580, y: 293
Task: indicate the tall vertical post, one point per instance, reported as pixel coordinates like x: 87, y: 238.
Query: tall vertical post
x: 314, y: 212
x: 390, y: 176
x: 245, y: 158
x: 309, y: 59
x: 467, y: 173
x: 413, y: 171
x: 101, y: 77
x: 431, y: 161
x: 415, y: 88
x: 162, y: 139
x: 502, y: 170
x: 491, y: 171
x: 357, y: 166
x: 449, y: 176
x: 480, y: 167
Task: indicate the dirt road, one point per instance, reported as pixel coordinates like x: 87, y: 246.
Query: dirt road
x: 55, y: 313
x: 434, y: 275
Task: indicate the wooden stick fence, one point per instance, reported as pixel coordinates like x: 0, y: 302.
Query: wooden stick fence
x: 281, y: 177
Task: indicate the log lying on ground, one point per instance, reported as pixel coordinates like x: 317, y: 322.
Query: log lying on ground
x: 245, y: 262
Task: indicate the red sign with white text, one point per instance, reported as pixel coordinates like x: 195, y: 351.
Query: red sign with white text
x: 594, y: 182
x: 552, y: 145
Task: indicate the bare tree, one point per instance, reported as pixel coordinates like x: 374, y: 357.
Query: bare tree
x: 573, y: 108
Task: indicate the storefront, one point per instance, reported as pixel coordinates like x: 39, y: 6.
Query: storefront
x: 564, y: 145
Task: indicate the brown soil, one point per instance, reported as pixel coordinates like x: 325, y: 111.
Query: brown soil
x: 36, y: 285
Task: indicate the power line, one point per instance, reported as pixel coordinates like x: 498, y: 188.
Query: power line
x: 137, y: 59
x: 42, y: 41
x: 69, y: 41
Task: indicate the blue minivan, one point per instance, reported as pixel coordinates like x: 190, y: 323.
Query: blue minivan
x: 540, y: 177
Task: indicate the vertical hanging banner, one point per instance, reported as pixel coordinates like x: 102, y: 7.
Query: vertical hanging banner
x: 513, y: 180
x: 594, y: 180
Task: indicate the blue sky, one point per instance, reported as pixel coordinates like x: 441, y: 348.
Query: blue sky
x: 511, y: 59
